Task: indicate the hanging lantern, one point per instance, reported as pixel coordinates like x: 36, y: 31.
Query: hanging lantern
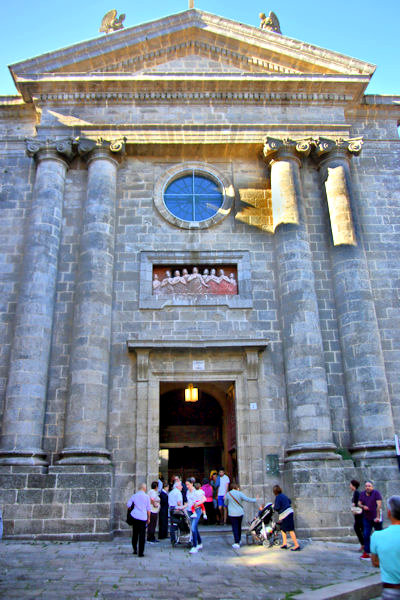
x: 191, y: 393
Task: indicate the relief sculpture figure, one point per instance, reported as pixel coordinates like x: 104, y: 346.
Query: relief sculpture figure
x: 196, y: 282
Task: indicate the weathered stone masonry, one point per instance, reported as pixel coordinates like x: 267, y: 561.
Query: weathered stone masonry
x: 309, y: 344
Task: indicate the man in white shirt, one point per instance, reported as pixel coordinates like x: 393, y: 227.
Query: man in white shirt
x: 154, y: 510
x: 224, y: 482
x: 141, y: 517
x: 175, y: 501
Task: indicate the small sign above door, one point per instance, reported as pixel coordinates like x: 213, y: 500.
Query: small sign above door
x: 199, y: 365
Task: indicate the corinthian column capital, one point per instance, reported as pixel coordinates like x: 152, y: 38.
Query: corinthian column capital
x: 326, y: 148
x: 107, y: 148
x: 286, y: 149
x: 50, y: 148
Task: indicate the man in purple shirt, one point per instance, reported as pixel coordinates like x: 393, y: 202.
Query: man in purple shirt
x: 371, y: 503
x: 141, y: 517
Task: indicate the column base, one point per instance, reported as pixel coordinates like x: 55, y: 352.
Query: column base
x: 84, y: 456
x: 381, y: 449
x: 319, y: 492
x: 26, y: 457
x: 311, y: 451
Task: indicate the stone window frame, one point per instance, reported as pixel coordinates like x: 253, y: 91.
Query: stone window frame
x: 148, y: 258
x: 201, y: 168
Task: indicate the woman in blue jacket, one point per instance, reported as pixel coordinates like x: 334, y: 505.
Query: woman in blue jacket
x: 283, y: 507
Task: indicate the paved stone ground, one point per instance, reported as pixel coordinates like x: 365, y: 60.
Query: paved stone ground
x: 108, y: 570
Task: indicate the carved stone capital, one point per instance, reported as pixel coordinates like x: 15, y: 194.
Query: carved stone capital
x: 345, y: 147
x: 45, y: 148
x: 87, y: 147
x: 286, y: 149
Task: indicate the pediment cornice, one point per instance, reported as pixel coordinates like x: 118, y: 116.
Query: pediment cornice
x: 130, y: 53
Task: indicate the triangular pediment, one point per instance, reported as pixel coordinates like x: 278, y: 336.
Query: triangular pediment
x: 189, y: 44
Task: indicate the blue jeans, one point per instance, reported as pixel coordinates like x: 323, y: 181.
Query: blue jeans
x: 236, y: 523
x: 196, y: 539
x: 368, y: 526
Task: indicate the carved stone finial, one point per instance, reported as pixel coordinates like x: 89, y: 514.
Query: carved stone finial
x: 271, y: 23
x: 111, y: 23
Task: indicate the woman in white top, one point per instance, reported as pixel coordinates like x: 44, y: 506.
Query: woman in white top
x: 195, y: 498
x: 154, y: 510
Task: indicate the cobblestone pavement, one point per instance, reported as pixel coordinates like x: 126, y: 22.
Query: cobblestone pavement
x: 109, y: 570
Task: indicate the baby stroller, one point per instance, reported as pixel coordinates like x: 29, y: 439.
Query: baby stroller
x: 263, y: 530
x: 181, y: 527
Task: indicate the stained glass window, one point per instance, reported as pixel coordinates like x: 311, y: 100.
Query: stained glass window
x: 193, y: 197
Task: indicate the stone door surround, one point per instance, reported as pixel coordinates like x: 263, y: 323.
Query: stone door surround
x: 203, y: 361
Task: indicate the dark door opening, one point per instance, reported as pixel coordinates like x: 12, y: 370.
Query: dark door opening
x: 197, y: 437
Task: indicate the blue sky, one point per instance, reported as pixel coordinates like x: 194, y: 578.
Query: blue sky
x: 364, y: 29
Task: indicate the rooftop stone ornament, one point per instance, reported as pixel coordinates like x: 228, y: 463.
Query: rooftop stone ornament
x: 111, y: 23
x: 271, y: 23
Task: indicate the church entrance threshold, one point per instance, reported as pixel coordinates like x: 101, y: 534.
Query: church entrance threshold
x: 197, y: 437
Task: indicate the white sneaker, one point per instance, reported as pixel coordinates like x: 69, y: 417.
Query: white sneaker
x: 194, y: 550
x: 235, y: 545
x: 199, y: 546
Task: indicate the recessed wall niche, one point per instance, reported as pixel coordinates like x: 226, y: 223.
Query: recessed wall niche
x: 195, y: 278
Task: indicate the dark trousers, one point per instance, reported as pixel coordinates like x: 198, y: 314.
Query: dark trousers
x: 210, y: 512
x: 151, y: 529
x: 368, y: 527
x: 359, y: 528
x: 138, y: 533
x: 236, y: 523
x: 163, y: 523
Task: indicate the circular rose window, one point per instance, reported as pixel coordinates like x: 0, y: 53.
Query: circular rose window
x: 193, y: 195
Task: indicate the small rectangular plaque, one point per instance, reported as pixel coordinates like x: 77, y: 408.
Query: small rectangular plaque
x: 272, y: 464
x: 199, y: 365
x: 253, y: 406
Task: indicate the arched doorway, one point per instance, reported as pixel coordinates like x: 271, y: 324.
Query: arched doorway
x: 196, y: 437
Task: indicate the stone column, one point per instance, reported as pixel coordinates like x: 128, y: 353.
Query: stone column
x: 86, y: 419
x: 306, y: 382
x: 310, y: 458
x: 23, y: 420
x: 365, y: 377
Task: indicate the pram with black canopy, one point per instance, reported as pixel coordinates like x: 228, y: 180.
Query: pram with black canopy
x: 263, y: 530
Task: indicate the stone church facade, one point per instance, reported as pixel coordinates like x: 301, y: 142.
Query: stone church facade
x: 196, y: 201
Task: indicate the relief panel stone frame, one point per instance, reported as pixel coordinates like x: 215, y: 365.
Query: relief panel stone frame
x: 241, y: 259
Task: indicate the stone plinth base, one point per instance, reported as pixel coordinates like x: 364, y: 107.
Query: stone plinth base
x: 62, y: 502
x: 320, y: 496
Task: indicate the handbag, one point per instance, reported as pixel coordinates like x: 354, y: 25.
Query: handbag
x: 129, y: 518
x: 356, y: 510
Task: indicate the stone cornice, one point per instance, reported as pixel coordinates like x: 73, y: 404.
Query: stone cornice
x: 232, y: 95
x: 200, y: 87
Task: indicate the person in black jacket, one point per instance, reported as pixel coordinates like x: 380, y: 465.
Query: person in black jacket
x: 163, y: 514
x: 358, y: 518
